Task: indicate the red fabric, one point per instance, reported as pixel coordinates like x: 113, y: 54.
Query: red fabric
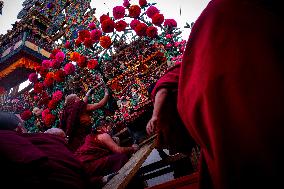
x: 231, y: 92
x: 38, y: 161
x: 98, y: 160
x: 73, y: 122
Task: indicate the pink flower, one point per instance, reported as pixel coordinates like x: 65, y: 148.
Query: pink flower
x: 168, y: 36
x: 57, y: 95
x: 120, y: 25
x: 126, y: 3
x: 170, y: 23
x: 92, y: 26
x: 33, y: 77
x: 177, y: 44
x: 69, y: 68
x: 96, y: 34
x: 158, y: 19
x: 46, y: 64
x: 168, y: 45
x: 151, y: 11
x: 55, y: 63
x: 45, y: 112
x: 152, y: 31
x: 60, y: 56
x: 118, y: 12
x: 134, y: 23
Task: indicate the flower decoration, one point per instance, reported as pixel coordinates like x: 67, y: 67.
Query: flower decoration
x: 48, y: 81
x: 52, y: 104
x: 44, y: 113
x: 69, y: 68
x: 105, y: 41
x: 141, y: 29
x: 151, y: 11
x: 152, y: 31
x: 134, y: 23
x: 38, y: 87
x: 120, y: 25
x: 108, y: 26
x: 158, y: 19
x: 126, y: 3
x: 25, y: 115
x: 46, y: 64
x: 78, y: 42
x: 92, y: 26
x: 118, y: 12
x: 59, y: 75
x: 33, y: 77
x: 49, y: 119
x: 67, y: 45
x: 96, y: 34
x: 142, y: 3
x: 75, y: 56
x: 82, y: 61
x: 170, y: 23
x: 88, y: 42
x: 55, y: 64
x: 134, y: 11
x: 104, y: 17
x: 83, y: 34
x: 60, y: 56
x: 92, y: 64
x: 57, y: 95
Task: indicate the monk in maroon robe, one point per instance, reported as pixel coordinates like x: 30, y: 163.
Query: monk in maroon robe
x: 231, y: 93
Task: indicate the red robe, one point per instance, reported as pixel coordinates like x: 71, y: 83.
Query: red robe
x: 231, y: 92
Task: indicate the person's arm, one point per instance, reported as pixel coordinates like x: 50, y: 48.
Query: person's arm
x: 110, y: 144
x: 101, y: 103
x: 159, y: 101
x: 85, y: 99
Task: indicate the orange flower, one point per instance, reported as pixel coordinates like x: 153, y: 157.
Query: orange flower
x: 105, y: 41
x: 75, y: 56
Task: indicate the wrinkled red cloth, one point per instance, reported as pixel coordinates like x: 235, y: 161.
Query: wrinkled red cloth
x: 172, y: 134
x: 231, y: 93
x: 98, y: 160
x: 38, y: 160
x: 76, y: 123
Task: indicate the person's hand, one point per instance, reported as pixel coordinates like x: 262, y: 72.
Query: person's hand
x: 135, y: 147
x: 152, y: 125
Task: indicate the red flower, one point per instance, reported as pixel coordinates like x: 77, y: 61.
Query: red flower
x: 67, y: 45
x: 53, y: 53
x: 170, y: 23
x: 134, y: 23
x: 83, y: 34
x: 151, y: 11
x: 78, y: 42
x: 33, y: 77
x: 75, y: 56
x: 105, y: 41
x: 69, y: 68
x: 44, y: 113
x: 48, y: 82
x: 92, y: 64
x: 49, y: 119
x: 141, y: 29
x: 38, y: 87
x: 118, y: 12
x: 134, y: 11
x: 142, y: 3
x: 96, y: 34
x: 25, y: 115
x: 52, y: 104
x: 104, y: 17
x: 108, y: 25
x: 92, y: 26
x: 59, y: 76
x: 82, y: 61
x: 152, y: 31
x: 158, y: 19
x: 120, y: 25
x: 55, y: 63
x: 88, y: 42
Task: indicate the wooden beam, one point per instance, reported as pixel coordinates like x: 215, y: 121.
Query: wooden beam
x: 128, y: 171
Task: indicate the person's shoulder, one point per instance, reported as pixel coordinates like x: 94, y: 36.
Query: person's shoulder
x: 104, y: 136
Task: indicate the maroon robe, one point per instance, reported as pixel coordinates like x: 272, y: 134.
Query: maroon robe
x: 172, y: 134
x: 231, y: 93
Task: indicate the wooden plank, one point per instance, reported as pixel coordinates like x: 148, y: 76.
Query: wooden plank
x: 125, y: 174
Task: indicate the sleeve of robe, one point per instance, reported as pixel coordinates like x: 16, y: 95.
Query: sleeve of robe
x: 231, y: 92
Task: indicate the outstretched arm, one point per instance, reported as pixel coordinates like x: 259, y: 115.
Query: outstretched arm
x: 159, y: 101
x: 101, y: 103
x: 110, y: 144
x: 85, y: 99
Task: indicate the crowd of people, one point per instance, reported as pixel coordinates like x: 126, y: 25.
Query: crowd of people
x: 227, y: 96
